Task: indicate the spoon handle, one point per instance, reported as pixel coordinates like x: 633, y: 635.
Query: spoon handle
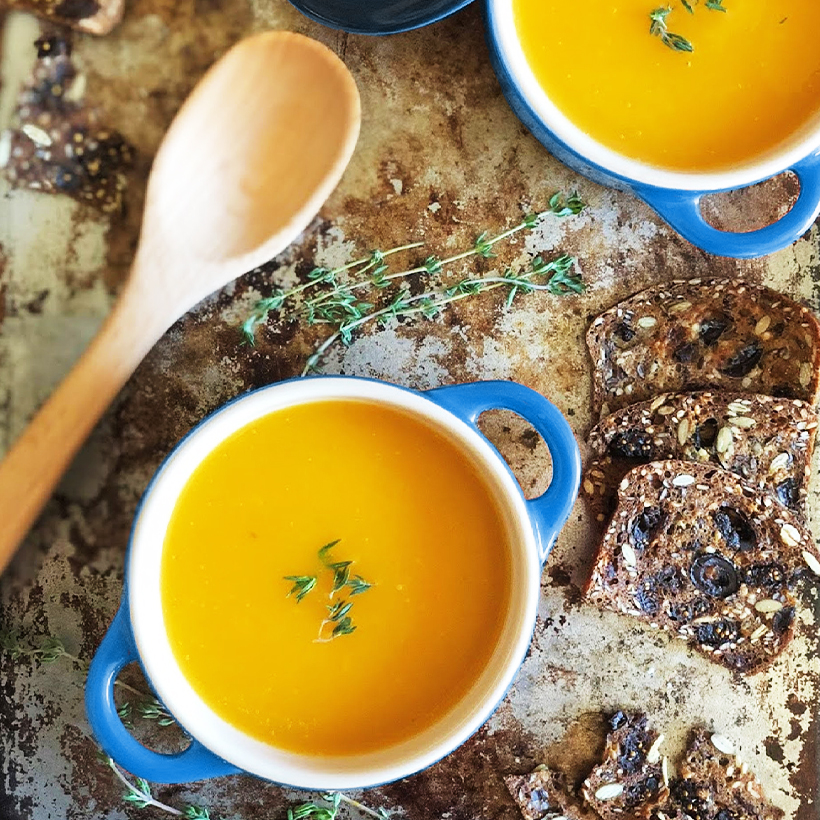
x: 40, y: 456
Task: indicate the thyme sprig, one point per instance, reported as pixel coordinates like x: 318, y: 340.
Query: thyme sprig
x: 338, y: 617
x: 658, y: 28
x: 340, y: 305
x: 48, y: 649
x: 562, y: 280
x: 139, y: 794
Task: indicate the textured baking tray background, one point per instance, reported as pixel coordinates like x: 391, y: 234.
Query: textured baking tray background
x: 441, y: 157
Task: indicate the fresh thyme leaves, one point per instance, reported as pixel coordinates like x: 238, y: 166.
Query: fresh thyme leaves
x: 430, y: 303
x: 47, y: 649
x: 338, y: 622
x: 658, y: 28
x: 139, y: 794
x: 331, y: 296
x: 302, y: 584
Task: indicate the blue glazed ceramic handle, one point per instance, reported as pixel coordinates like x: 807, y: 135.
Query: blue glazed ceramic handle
x: 681, y: 209
x: 549, y: 511
x: 116, y: 651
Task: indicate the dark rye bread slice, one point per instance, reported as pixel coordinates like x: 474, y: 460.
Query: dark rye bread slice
x: 57, y: 144
x: 715, y: 785
x: 91, y: 16
x: 544, y: 795
x: 697, y: 551
x: 629, y: 781
x: 768, y: 441
x: 704, y: 333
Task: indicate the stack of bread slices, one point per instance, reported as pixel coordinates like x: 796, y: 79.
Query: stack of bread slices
x: 707, y: 392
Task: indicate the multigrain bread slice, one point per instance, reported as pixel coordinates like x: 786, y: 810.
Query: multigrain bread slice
x: 629, y: 782
x: 545, y: 795
x: 695, y: 550
x: 91, y: 16
x: 767, y: 441
x: 700, y: 334
x: 57, y: 144
x: 715, y: 785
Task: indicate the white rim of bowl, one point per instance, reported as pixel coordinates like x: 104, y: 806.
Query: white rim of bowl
x: 503, y: 30
x: 254, y: 756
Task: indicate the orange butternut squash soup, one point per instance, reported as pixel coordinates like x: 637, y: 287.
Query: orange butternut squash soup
x: 257, y: 612
x: 751, y: 81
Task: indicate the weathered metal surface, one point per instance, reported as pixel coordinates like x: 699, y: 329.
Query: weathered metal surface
x: 441, y: 157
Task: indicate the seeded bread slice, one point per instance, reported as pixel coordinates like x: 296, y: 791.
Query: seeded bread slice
x: 767, y: 441
x: 91, y: 16
x: 697, y: 551
x: 699, y: 334
x: 715, y: 785
x: 629, y: 782
x: 544, y: 795
x: 57, y: 144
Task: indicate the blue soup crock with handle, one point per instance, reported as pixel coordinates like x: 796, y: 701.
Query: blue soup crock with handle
x: 138, y: 630
x: 674, y: 195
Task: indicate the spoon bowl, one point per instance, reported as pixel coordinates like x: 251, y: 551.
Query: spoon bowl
x: 246, y: 164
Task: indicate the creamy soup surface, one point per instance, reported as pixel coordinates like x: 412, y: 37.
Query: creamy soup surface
x: 418, y: 522
x: 751, y: 82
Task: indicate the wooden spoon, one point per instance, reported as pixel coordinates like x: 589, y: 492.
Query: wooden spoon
x: 248, y: 161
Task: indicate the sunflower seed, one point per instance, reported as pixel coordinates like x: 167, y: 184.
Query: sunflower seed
x: 744, y: 422
x: 654, y: 755
x: 683, y: 431
x: 780, y: 462
x: 36, y: 135
x: 762, y: 325
x: 647, y: 322
x: 812, y: 562
x: 790, y: 535
x: 724, y: 439
x: 630, y: 559
x: 683, y: 480
x: 723, y: 744
x: 768, y: 605
x: 609, y: 792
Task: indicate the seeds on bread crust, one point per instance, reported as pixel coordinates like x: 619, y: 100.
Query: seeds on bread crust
x: 699, y: 334
x: 92, y: 16
x: 544, y: 795
x: 705, y: 560
x: 765, y: 440
x: 629, y: 780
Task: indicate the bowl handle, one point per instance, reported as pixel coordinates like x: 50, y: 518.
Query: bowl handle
x: 116, y: 651
x: 549, y: 511
x: 681, y: 209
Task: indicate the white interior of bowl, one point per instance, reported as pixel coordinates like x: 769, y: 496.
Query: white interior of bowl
x: 355, y: 771
x: 800, y: 145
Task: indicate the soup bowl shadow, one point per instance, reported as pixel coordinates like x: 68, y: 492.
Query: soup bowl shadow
x: 138, y: 631
x: 674, y: 195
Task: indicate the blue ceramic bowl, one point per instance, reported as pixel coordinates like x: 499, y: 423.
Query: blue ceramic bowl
x: 674, y: 195
x: 217, y: 748
x: 373, y: 17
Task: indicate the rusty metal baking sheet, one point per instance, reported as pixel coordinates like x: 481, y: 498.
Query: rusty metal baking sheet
x: 441, y: 158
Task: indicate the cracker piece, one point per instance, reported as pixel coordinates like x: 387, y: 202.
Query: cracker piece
x: 699, y: 334
x: 715, y: 785
x: 767, y: 441
x: 629, y: 782
x: 697, y: 551
x: 544, y: 795
x: 90, y: 16
x: 58, y: 144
